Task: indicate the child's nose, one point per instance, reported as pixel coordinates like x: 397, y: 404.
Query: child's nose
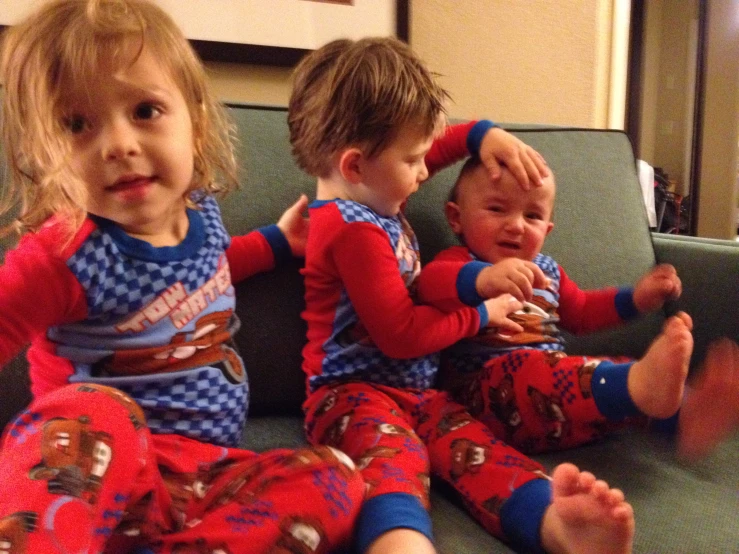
x: 119, y: 140
x: 514, y: 223
x: 424, y: 172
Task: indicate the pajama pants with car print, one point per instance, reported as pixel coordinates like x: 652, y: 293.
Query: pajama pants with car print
x: 541, y: 401
x: 534, y: 400
x: 398, y: 437
x: 83, y: 474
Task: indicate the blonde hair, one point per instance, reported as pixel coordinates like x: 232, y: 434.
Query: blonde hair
x: 61, y: 46
x: 359, y: 93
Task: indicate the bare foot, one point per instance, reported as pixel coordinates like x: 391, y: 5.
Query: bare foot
x: 586, y: 516
x: 657, y: 381
x: 711, y: 408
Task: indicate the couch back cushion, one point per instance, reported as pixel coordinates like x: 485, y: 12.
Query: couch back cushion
x: 601, y: 238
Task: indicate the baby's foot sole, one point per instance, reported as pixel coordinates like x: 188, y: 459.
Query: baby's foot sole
x: 656, y: 382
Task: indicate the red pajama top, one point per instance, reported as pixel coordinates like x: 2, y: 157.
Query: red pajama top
x: 360, y: 271
x: 449, y: 281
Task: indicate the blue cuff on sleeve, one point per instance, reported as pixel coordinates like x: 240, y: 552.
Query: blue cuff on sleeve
x: 484, y: 315
x: 278, y: 242
x: 474, y: 137
x: 390, y: 511
x: 625, y: 304
x: 522, y: 514
x: 609, y: 385
x: 466, y: 289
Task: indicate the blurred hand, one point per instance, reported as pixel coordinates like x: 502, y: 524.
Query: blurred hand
x: 500, y: 147
x: 516, y: 277
x: 294, y: 226
x: 499, y: 308
x: 660, y: 284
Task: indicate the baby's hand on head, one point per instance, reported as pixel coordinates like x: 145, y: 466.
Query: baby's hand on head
x: 500, y: 147
x: 295, y: 227
x: 660, y: 284
x: 516, y: 277
x: 499, y: 308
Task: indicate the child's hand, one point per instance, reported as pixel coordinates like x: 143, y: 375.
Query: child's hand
x: 516, y: 277
x: 295, y: 227
x: 656, y: 287
x: 526, y: 164
x: 499, y: 308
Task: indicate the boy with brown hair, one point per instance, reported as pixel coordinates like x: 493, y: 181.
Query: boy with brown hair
x: 363, y: 120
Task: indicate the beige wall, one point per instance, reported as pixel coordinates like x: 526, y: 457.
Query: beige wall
x: 509, y: 60
x: 519, y: 61
x: 541, y: 61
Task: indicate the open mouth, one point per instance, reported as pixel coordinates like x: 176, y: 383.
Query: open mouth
x: 133, y: 187
x: 130, y: 182
x: 509, y: 245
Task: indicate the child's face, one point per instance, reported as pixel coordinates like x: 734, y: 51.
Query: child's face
x: 132, y: 145
x: 501, y: 220
x: 389, y: 178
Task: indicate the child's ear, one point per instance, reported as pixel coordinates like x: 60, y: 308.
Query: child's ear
x: 451, y: 211
x: 550, y: 226
x: 350, y: 166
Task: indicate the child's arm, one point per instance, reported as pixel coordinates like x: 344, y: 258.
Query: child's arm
x: 38, y: 291
x: 494, y: 146
x: 585, y: 311
x: 453, y: 278
x: 263, y: 249
x: 368, y: 269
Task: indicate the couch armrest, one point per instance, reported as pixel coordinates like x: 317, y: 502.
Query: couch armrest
x: 709, y: 270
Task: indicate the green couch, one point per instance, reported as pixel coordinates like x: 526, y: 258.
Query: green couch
x: 601, y: 237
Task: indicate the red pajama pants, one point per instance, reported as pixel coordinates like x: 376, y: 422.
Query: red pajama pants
x: 398, y: 437
x: 535, y: 400
x: 82, y: 473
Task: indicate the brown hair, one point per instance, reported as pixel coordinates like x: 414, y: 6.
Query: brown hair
x: 359, y: 93
x: 62, y: 45
x: 469, y: 166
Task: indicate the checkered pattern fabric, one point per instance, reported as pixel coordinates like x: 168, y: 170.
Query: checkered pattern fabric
x: 199, y: 404
x: 550, y: 269
x: 352, y: 212
x: 118, y: 284
x: 133, y: 292
x: 346, y: 359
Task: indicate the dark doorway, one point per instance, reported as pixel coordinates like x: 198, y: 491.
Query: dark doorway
x: 665, y: 102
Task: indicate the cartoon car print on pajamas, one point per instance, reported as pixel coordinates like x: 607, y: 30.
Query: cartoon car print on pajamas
x: 300, y: 535
x: 14, y: 530
x: 209, y: 344
x: 74, y: 458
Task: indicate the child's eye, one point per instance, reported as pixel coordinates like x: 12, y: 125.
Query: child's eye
x: 534, y: 216
x: 76, y: 124
x: 147, y: 111
x: 495, y: 209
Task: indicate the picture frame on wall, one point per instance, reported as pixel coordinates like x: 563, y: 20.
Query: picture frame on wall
x: 280, y: 32
x: 268, y: 32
